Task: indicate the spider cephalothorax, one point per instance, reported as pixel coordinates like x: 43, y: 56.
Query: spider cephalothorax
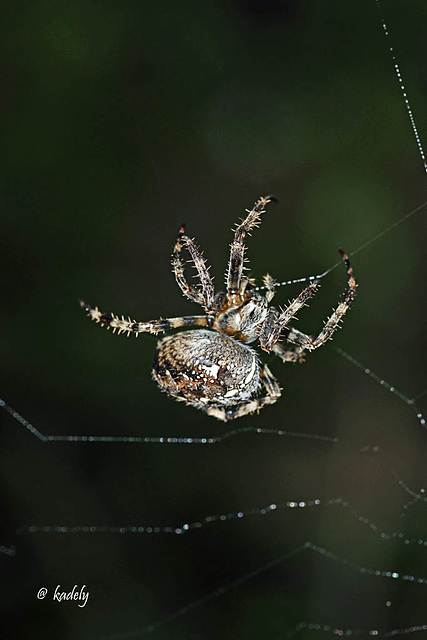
x: 214, y: 369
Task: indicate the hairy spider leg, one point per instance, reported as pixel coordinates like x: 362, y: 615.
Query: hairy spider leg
x: 296, y: 354
x: 237, y: 253
x: 332, y: 323
x: 275, y: 323
x: 272, y: 388
x: 205, y: 295
x: 178, y: 269
x: 270, y: 285
x: 121, y: 325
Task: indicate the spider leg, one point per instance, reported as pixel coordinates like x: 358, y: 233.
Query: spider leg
x: 205, y: 295
x: 295, y: 337
x: 237, y: 253
x: 289, y: 355
x: 275, y: 323
x: 269, y: 284
x: 332, y: 323
x: 131, y: 326
x: 273, y: 394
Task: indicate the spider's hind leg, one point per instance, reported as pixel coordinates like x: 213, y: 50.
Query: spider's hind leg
x: 272, y: 388
x: 277, y: 329
x: 205, y: 295
x: 332, y: 323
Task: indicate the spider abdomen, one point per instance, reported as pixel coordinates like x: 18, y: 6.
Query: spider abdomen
x: 206, y: 368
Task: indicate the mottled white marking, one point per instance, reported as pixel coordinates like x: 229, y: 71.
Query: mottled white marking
x: 213, y: 370
x: 231, y: 393
x: 251, y: 372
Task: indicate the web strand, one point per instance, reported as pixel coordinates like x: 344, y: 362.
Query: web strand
x: 402, y: 88
x: 307, y: 546
x: 408, y: 401
x: 164, y: 440
x: 294, y: 505
x: 342, y: 631
x: 363, y: 246
x: 211, y: 596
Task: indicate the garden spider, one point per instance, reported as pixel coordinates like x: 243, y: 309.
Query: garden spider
x: 214, y: 369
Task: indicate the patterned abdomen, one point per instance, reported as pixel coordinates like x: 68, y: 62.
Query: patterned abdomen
x: 206, y: 368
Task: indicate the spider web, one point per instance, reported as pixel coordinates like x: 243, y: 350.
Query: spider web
x: 341, y: 487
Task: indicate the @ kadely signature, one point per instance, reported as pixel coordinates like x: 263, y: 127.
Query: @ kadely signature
x: 75, y: 594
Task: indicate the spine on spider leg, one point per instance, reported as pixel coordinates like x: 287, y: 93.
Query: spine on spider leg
x: 205, y: 294
x: 121, y: 325
x: 207, y: 291
x: 277, y: 323
x: 334, y: 320
x: 189, y: 291
x: 350, y: 294
x: 237, y: 253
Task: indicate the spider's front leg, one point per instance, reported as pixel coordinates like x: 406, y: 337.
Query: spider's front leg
x: 272, y: 388
x: 204, y: 295
x: 121, y: 325
x: 237, y: 253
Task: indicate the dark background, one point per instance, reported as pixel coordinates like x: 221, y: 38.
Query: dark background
x: 119, y: 122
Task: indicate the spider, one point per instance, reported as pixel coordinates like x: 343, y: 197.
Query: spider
x: 214, y: 369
